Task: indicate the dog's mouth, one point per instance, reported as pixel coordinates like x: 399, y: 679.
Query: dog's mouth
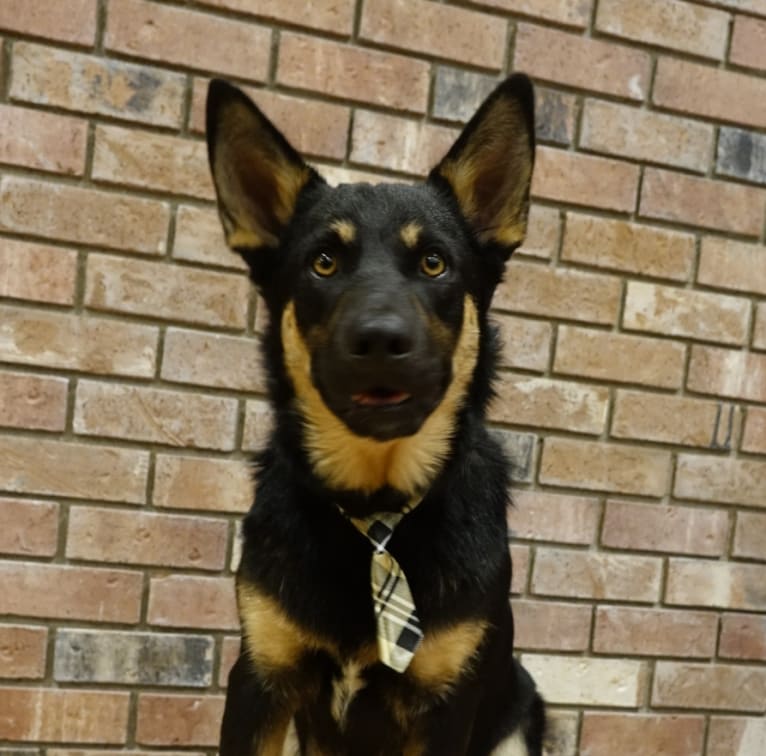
x: 380, y: 396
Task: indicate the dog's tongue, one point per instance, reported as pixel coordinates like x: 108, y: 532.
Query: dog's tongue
x: 380, y: 397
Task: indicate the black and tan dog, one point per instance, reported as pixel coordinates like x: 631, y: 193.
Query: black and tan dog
x: 380, y: 359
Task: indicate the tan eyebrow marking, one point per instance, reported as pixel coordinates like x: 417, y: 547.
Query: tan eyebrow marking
x: 410, y: 234
x: 345, y: 229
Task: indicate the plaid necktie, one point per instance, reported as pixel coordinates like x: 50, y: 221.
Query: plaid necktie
x: 399, y: 632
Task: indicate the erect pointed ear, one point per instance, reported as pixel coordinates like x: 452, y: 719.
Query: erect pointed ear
x: 257, y: 174
x: 489, y: 168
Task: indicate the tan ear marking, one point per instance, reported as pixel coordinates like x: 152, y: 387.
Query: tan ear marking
x: 410, y: 234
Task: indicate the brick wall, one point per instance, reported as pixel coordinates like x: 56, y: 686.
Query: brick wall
x: 633, y: 391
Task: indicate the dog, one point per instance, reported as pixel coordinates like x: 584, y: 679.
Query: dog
x: 374, y: 582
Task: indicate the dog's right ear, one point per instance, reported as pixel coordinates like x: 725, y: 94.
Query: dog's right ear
x: 257, y: 174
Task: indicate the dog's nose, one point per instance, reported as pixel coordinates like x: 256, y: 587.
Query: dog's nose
x: 381, y: 337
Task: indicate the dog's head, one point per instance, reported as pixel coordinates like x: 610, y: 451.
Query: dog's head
x: 377, y: 294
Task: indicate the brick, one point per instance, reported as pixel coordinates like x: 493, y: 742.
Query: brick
x: 109, y: 535
x: 199, y: 239
x: 543, y: 232
x: 71, y: 342
x: 553, y: 517
x: 353, y: 73
x: 22, y: 650
x: 99, y: 656
x: 454, y: 33
x: 541, y: 402
x: 32, y: 401
x: 459, y: 93
x: 561, y: 293
x: 710, y: 92
x: 673, y: 529
x: 604, y: 734
x: 77, y: 716
x: 623, y: 630
x: 521, y: 559
x: 70, y: 593
x: 742, y: 154
x: 336, y: 174
x: 555, y: 115
x: 682, y: 312
x: 151, y: 161
x: 201, y: 483
x: 259, y: 420
x: 188, y: 38
x: 398, y: 144
x: 178, y: 720
x: 743, y: 636
x: 750, y: 6
x: 80, y: 471
x: 629, y: 247
x: 73, y: 81
x: 727, y: 585
x: 564, y: 176
x: 717, y: 686
x: 702, y: 202
x: 74, y: 22
x: 759, y: 332
x: 645, y: 135
x: 230, y: 648
x: 754, y: 437
x: 37, y: 272
x: 568, y: 12
x: 748, y: 42
x: 524, y: 343
x: 216, y: 360
x: 605, y: 467
x: 728, y: 372
x: 519, y: 449
x: 561, y: 731
x: 587, y: 682
x: 750, y: 536
x: 584, y: 63
x: 166, y: 291
x: 116, y: 752
x: 191, y: 601
x: 336, y: 16
x: 721, y: 479
x: 590, y: 353
x: 730, y: 264
x: 678, y: 26
x: 43, y: 141
x: 743, y: 736
x: 84, y: 216
x: 540, y: 625
x: 30, y: 528
x: 155, y: 415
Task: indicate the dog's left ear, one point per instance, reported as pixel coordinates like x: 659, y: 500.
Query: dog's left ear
x: 489, y: 168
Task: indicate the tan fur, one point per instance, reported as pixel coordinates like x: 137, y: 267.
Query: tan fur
x: 274, y: 739
x: 345, y: 229
x: 347, y: 461
x: 410, y: 234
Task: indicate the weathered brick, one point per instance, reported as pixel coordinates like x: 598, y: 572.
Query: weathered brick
x: 70, y: 593
x: 727, y: 585
x: 552, y: 55
x: 710, y: 92
x: 555, y: 292
x: 580, y: 179
x: 543, y: 232
x: 721, y: 479
x: 553, y: 517
x: 458, y: 93
x: 750, y: 6
x: 37, y: 272
x: 49, y: 76
x: 561, y: 731
x: 583, y: 681
x: 353, y: 73
x: 116, y: 752
x: 702, y: 202
x: 259, y: 420
x: 750, y: 536
x: 630, y: 247
x: 110, y: 535
x: 623, y: 630
x: 22, y: 650
x: 748, y: 42
x: 64, y: 468
x: 727, y: 372
x: 645, y: 135
x: 754, y: 437
x: 86, y: 216
x: 70, y: 342
x: 73, y: 22
x: 161, y: 290
x: 605, y: 734
x: 524, y: 343
x: 519, y: 449
x: 188, y: 38
x: 199, y: 238
x: 191, y: 601
x: 555, y: 115
x: 520, y: 556
x: 678, y: 26
x: 32, y: 401
x: 178, y: 720
x: 99, y: 656
x: 76, y: 716
x: 541, y: 402
x: 155, y: 415
x: 151, y: 161
x: 336, y: 174
x: 729, y: 264
x: 674, y: 529
x: 336, y: 16
x: 590, y: 353
x: 743, y: 636
x: 740, y: 736
x: 45, y: 141
x: 553, y: 625
x: 742, y: 154
x: 717, y: 686
x: 30, y: 528
x: 605, y: 467
x: 759, y: 332
x: 568, y: 12
x: 230, y: 648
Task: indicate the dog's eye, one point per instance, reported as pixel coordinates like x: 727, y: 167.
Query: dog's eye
x: 325, y: 264
x: 432, y: 264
